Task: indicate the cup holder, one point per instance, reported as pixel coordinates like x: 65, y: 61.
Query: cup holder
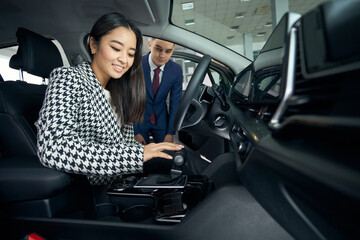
x: 137, y: 213
x: 103, y: 210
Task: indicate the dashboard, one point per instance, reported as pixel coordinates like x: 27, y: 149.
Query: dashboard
x: 295, y: 130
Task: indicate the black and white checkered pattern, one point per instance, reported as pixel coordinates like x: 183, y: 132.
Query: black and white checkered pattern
x: 77, y: 129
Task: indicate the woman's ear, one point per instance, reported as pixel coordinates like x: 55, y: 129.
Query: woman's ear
x: 93, y: 45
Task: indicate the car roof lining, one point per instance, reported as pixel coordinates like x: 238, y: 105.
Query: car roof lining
x: 152, y: 17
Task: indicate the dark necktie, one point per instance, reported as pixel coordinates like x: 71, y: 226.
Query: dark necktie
x: 155, y: 88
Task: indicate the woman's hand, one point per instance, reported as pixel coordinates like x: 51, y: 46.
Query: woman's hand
x: 155, y: 150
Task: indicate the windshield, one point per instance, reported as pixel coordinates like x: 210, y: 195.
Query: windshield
x: 241, y: 25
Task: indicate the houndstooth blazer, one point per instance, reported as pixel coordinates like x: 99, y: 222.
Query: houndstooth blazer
x: 77, y: 129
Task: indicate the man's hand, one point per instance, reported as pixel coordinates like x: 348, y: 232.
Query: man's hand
x: 140, y: 139
x: 169, y: 138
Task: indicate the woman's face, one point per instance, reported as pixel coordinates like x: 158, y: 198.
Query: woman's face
x: 114, y: 54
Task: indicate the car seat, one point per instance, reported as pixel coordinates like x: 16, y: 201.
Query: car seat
x: 26, y: 187
x: 20, y: 102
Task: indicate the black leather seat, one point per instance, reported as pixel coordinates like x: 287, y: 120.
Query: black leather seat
x: 36, y: 54
x: 20, y: 102
x: 25, y: 179
x: 27, y: 187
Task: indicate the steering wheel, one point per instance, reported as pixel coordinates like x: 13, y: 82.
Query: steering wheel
x: 190, y: 92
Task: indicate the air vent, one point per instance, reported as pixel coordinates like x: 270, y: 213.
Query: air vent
x: 327, y: 98
x: 315, y: 96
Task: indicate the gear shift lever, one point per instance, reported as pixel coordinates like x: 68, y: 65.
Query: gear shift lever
x: 179, y: 160
x: 175, y: 176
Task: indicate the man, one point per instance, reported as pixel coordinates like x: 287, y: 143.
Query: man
x: 162, y: 76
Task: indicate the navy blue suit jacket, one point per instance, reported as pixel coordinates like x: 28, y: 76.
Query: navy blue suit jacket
x: 171, y: 81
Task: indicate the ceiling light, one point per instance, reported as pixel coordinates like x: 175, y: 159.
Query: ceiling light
x: 261, y: 34
x: 239, y: 15
x: 269, y: 24
x: 245, y: 0
x: 234, y: 27
x: 187, y: 6
x: 189, y: 22
x: 262, y: 10
x: 230, y: 37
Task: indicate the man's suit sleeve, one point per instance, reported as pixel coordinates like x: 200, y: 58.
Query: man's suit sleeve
x: 175, y: 99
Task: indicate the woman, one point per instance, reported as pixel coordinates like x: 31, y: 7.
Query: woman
x: 78, y: 131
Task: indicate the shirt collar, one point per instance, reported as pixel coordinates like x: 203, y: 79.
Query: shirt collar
x: 153, y: 66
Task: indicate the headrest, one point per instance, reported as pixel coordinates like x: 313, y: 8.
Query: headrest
x: 86, y: 42
x: 16, y: 61
x: 86, y: 45
x: 36, y: 54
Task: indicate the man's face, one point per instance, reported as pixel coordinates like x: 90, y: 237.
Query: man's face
x: 161, y: 51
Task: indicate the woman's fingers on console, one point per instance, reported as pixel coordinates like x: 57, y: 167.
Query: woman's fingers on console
x: 156, y: 150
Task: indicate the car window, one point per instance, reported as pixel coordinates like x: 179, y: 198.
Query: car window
x: 183, y: 56
x: 13, y: 74
x: 188, y: 68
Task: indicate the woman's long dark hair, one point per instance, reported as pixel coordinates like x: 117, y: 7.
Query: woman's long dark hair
x: 128, y: 93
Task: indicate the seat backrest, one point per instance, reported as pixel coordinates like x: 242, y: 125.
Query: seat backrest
x: 20, y: 102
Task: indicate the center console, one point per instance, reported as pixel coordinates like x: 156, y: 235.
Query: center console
x: 159, y: 197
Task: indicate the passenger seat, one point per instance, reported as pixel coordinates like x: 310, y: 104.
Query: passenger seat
x: 26, y: 187
x: 20, y: 102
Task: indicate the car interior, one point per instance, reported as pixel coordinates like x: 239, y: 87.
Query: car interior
x: 282, y: 142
